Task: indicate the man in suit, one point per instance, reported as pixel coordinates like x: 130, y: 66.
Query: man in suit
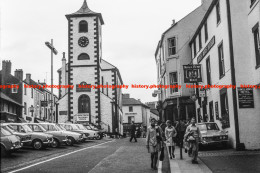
x: 133, y: 129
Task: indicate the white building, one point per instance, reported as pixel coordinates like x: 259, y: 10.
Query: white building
x: 134, y: 111
x: 173, y: 51
x: 226, y: 44
x: 86, y: 67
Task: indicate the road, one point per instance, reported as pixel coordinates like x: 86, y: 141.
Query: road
x: 95, y: 157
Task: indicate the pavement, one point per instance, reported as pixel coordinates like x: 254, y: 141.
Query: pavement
x: 184, y: 165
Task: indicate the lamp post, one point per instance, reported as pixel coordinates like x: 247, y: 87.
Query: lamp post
x: 53, y: 50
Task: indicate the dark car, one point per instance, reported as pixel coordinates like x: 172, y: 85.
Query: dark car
x: 9, y: 142
x: 212, y: 135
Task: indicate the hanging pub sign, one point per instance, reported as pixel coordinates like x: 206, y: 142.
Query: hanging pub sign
x: 246, y: 98
x: 192, y: 73
x: 44, y: 103
x: 206, y: 50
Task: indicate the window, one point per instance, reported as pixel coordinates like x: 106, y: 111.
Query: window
x: 130, y: 108
x: 194, y: 48
x: 83, y: 56
x: 174, y: 81
x: 255, y: 31
x: 200, y: 43
x: 32, y: 92
x: 218, y: 13
x: 131, y: 119
x: 25, y: 108
x: 221, y: 61
x: 102, y: 79
x: 83, y: 26
x: 208, y: 71
x: 206, y: 31
x: 25, y: 90
x: 14, y: 90
x: 172, y: 46
x: 84, y: 104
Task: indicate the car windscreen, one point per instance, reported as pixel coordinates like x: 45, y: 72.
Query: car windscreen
x: 10, y: 129
x: 5, y: 132
x: 27, y: 128
x: 58, y: 127
x: 212, y: 126
x: 81, y: 127
x: 62, y: 128
x: 88, y: 127
x: 74, y: 127
x: 49, y: 127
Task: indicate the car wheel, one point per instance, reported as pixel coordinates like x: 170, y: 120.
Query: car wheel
x: 3, y: 151
x: 55, y: 143
x: 225, y: 144
x: 37, y: 144
x: 98, y: 137
x: 70, y: 141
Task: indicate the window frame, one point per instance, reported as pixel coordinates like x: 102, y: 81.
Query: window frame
x: 221, y: 60
x: 130, y: 109
x: 173, y: 90
x: 80, y: 29
x: 200, y: 41
x: 206, y: 31
x: 194, y: 48
x: 14, y: 90
x: 172, y: 47
x: 218, y: 13
x: 25, y: 108
x: 256, y: 38
x: 82, y: 54
x: 208, y: 70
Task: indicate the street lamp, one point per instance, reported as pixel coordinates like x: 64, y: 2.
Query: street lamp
x: 53, y: 50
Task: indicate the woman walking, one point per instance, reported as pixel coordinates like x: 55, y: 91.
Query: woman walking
x: 153, y: 138
x: 170, y: 133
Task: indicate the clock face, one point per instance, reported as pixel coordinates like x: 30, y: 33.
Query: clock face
x: 83, y: 41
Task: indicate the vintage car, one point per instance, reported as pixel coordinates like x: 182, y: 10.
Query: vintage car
x: 75, y: 128
x: 100, y: 133
x: 59, y: 138
x: 25, y: 138
x: 39, y: 140
x: 57, y: 132
x: 92, y: 134
x: 212, y: 135
x: 9, y: 142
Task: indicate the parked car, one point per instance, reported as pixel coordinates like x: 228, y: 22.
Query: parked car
x: 81, y: 133
x: 92, y: 134
x: 212, y: 135
x: 59, y: 138
x: 100, y: 133
x: 25, y: 138
x: 39, y: 140
x: 9, y: 142
x: 58, y: 133
x: 75, y: 128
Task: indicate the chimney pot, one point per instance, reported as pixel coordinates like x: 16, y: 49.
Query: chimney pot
x: 173, y: 22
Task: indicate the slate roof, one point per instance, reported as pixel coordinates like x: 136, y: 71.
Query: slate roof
x: 5, y: 97
x: 132, y: 101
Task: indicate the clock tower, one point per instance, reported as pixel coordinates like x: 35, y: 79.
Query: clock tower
x: 84, y: 58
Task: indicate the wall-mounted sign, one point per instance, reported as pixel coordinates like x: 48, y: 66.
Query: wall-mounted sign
x: 216, y: 110
x: 246, y: 98
x: 206, y: 50
x: 63, y: 112
x: 82, y: 117
x: 83, y: 87
x: 44, y: 103
x: 192, y: 73
x: 202, y: 93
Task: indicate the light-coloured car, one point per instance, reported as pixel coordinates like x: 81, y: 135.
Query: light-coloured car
x: 92, y: 134
x: 39, y: 140
x: 212, y: 135
x: 57, y: 132
x: 25, y: 138
x: 9, y: 142
x: 75, y: 128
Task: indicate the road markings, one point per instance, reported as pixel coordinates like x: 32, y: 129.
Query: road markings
x: 59, y: 157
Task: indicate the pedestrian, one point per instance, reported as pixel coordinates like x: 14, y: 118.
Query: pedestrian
x: 181, y: 129
x: 193, y: 136
x: 162, y: 127
x: 133, y: 130
x: 153, y: 139
x: 170, y: 133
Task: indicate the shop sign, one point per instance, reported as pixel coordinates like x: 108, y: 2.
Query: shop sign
x: 192, y: 73
x: 206, y: 50
x: 83, y: 117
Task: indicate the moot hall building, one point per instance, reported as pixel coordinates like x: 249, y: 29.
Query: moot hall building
x: 85, y: 66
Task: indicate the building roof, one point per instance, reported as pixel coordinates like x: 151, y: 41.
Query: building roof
x: 85, y: 11
x: 132, y: 102
x: 154, y: 111
x: 108, y: 66
x: 5, y: 97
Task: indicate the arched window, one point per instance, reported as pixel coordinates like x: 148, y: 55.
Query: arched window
x: 83, y: 26
x: 83, y: 56
x: 84, y: 104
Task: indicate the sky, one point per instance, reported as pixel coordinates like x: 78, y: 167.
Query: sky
x: 130, y: 35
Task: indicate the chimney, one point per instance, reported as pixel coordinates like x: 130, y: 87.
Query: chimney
x: 126, y: 96
x: 173, y: 22
x: 28, y: 78
x: 6, y: 66
x: 19, y: 74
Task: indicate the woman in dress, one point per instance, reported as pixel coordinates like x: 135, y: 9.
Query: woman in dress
x: 153, y: 139
x: 170, y: 133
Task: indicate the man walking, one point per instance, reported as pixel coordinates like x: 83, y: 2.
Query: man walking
x: 133, y: 129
